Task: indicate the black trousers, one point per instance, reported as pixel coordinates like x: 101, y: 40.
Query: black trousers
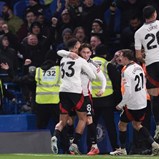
x: 104, y: 107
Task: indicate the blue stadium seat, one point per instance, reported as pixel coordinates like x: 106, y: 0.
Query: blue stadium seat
x: 19, y: 8
x: 1, y: 6
x: 98, y: 2
x: 10, y: 107
x: 53, y: 6
x: 45, y: 2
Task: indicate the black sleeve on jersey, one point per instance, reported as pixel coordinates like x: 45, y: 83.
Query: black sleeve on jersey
x: 115, y: 78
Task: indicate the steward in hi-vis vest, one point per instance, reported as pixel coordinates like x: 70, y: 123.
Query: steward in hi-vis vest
x: 47, y: 79
x: 104, y: 105
x: 47, y: 85
x: 96, y: 84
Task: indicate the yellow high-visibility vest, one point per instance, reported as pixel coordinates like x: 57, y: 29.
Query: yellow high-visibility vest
x: 96, y: 84
x: 47, y: 85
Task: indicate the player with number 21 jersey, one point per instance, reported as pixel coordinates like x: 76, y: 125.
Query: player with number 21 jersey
x: 134, y: 89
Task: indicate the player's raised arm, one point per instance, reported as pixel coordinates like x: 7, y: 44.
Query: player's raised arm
x: 99, y: 74
x: 86, y: 68
x: 64, y: 53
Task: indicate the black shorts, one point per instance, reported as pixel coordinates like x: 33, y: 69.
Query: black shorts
x: 89, y: 105
x: 152, y: 75
x: 128, y: 115
x: 71, y: 102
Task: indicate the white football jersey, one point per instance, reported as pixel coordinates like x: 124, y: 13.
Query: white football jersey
x: 86, y: 83
x: 134, y: 86
x: 71, y: 74
x: 148, y: 37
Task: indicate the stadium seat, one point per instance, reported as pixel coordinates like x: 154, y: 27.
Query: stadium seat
x: 10, y: 107
x: 1, y: 5
x: 53, y: 6
x: 98, y: 2
x: 19, y: 8
x: 45, y: 2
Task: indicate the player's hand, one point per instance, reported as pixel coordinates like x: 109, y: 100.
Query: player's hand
x: 98, y: 94
x: 73, y: 55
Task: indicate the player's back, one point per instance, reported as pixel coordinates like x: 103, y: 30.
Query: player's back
x: 71, y: 74
x: 147, y: 36
x: 136, y: 79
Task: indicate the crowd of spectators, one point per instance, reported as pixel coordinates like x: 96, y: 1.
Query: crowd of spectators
x: 112, y: 22
x: 28, y: 40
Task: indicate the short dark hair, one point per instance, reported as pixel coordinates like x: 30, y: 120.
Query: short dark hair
x: 71, y: 43
x: 128, y: 53
x: 148, y: 11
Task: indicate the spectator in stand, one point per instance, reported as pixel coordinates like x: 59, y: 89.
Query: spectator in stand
x: 4, y: 30
x: 33, y: 56
x: 64, y: 22
x: 92, y: 11
x: 79, y: 33
x: 23, y: 31
x: 53, y: 33
x: 7, y: 55
x: 36, y: 29
x: 127, y: 34
x: 14, y: 23
x: 128, y: 8
x: 112, y: 21
x: 98, y: 29
x: 13, y: 41
x: 34, y: 53
x: 35, y: 7
x: 66, y: 35
x: 75, y: 9
x: 94, y: 42
x: 2, y: 22
x: 44, y: 24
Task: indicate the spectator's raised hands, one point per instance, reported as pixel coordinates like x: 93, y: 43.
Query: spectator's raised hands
x: 59, y: 5
x: 54, y: 21
x: 27, y: 62
x: 4, y: 66
x: 5, y: 28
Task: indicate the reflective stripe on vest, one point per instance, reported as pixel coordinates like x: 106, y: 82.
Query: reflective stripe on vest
x: 96, y: 84
x: 47, y: 85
